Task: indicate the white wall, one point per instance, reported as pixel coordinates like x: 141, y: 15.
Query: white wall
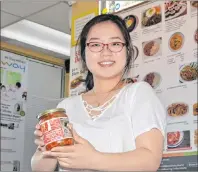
x: 44, y: 82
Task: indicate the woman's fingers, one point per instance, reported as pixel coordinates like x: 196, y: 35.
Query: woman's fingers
x: 64, y: 164
x: 64, y: 160
x: 41, y: 149
x: 39, y: 138
x: 65, y: 149
x: 38, y: 133
x: 39, y: 142
x: 38, y: 127
x: 58, y: 154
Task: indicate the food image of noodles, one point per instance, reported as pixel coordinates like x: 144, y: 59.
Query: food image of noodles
x: 177, y: 109
x: 189, y: 72
x: 176, y: 41
x: 195, y: 109
x: 196, y: 137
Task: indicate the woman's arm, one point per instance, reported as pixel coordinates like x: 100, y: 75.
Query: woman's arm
x: 146, y: 157
x: 43, y: 163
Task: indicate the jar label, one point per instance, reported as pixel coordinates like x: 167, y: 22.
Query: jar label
x: 55, y: 129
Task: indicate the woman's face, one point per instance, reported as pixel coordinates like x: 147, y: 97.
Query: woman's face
x: 105, y: 64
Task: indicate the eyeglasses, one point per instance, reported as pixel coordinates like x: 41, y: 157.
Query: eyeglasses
x: 113, y: 46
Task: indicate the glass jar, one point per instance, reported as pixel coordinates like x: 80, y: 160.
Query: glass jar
x: 54, y: 127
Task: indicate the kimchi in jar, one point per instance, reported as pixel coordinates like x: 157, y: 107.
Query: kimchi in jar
x: 54, y: 128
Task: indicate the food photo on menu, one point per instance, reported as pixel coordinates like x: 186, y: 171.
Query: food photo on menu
x: 188, y: 72
x: 194, y: 6
x: 152, y: 48
x: 76, y: 82
x: 177, y: 110
x: 174, y: 9
x: 151, y: 16
x: 153, y: 78
x: 131, y: 22
x: 178, y: 140
x: 195, y: 109
x: 176, y: 41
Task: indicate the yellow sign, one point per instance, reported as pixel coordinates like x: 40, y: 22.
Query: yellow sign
x: 82, y: 12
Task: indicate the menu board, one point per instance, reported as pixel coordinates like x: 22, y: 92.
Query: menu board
x: 165, y: 41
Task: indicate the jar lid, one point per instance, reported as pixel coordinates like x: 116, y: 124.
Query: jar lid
x: 50, y: 111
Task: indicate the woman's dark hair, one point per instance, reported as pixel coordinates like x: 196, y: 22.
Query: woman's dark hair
x: 83, y: 38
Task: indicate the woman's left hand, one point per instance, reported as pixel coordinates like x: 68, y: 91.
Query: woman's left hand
x: 81, y: 155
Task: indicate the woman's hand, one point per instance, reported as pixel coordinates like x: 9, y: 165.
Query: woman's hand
x: 81, y: 155
x: 39, y: 138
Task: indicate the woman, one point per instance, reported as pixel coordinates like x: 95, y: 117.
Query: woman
x: 116, y: 126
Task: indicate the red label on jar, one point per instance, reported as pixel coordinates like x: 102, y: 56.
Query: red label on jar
x: 55, y: 129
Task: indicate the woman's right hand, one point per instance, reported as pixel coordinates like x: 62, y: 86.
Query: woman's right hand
x: 39, y: 138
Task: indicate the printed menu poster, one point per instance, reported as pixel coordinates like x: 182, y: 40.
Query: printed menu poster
x: 13, y: 110
x: 165, y: 42
x: 77, y: 73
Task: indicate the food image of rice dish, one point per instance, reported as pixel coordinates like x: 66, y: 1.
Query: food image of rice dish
x: 176, y: 41
x: 131, y: 22
x: 175, y: 9
x: 177, y: 109
x: 189, y: 72
x: 151, y: 48
x: 152, y: 16
x: 153, y: 79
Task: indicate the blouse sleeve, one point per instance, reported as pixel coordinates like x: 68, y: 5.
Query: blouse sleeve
x: 147, y: 110
x: 62, y: 104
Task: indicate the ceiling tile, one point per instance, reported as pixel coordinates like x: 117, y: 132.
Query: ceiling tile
x: 7, y: 19
x: 26, y: 8
x: 56, y: 17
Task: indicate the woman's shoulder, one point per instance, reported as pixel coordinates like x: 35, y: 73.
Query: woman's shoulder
x: 68, y: 101
x: 140, y: 86
x: 140, y: 91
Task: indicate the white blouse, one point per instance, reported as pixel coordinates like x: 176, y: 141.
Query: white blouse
x: 135, y: 110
